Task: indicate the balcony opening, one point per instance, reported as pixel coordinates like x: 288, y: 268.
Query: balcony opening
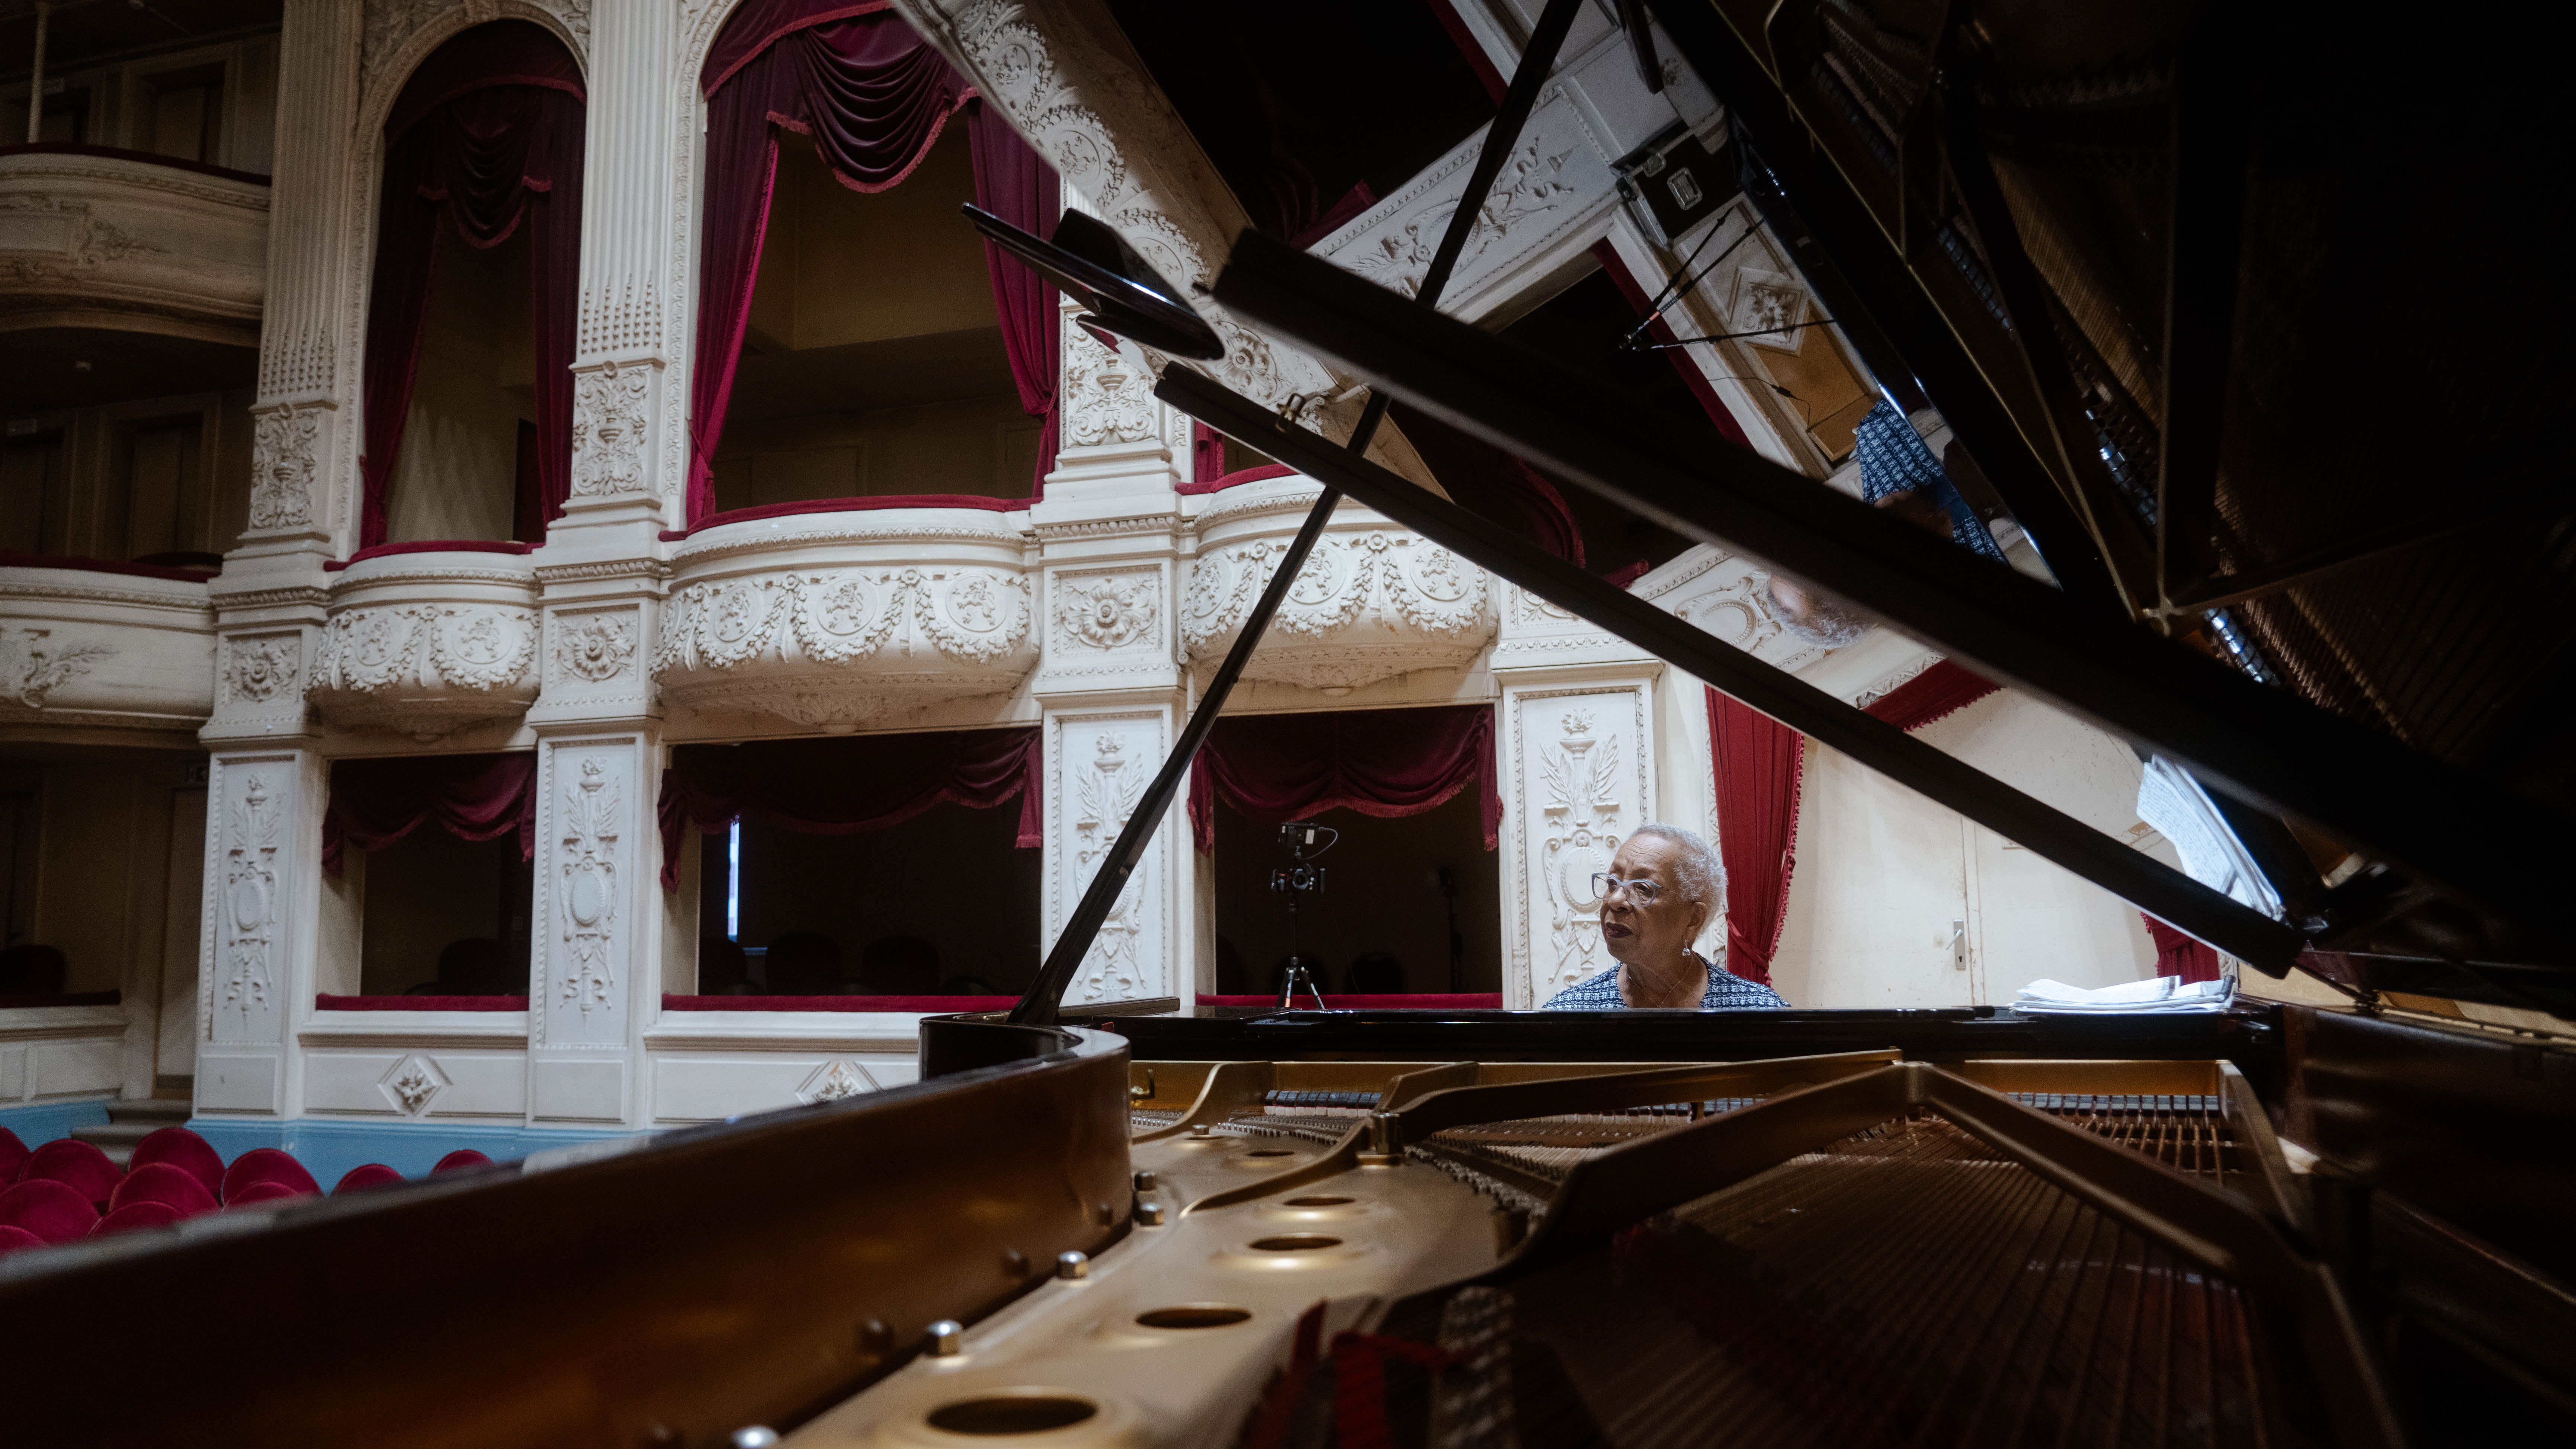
x: 468, y: 445
x: 124, y: 447
x: 943, y: 904
x: 1408, y: 900
x: 855, y: 339
x: 864, y: 865
x: 1410, y: 905
x: 445, y: 916
x: 472, y: 297
x: 180, y: 113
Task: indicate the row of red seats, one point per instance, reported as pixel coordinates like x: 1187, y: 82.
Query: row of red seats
x: 68, y: 1189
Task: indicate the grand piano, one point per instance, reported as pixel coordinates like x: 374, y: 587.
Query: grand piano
x: 2124, y: 256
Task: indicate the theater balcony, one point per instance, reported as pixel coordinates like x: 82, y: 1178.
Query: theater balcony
x: 848, y: 613
x: 93, y: 237
x: 89, y: 642
x: 1373, y: 602
x: 425, y: 639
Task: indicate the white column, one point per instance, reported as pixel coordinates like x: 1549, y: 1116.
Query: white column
x: 1576, y: 749
x: 630, y: 410
x: 257, y: 951
x: 1111, y: 685
x: 595, y: 950
x: 305, y: 425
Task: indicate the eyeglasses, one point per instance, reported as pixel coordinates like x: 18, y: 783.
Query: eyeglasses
x: 1643, y: 892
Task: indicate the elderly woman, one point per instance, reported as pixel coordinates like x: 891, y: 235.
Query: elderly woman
x: 1660, y: 890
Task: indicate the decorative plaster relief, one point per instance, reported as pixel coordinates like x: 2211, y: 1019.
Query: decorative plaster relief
x: 1582, y: 779
x: 69, y: 240
x: 1729, y: 596
x: 245, y: 1004
x: 1367, y: 606
x: 591, y: 827
x: 32, y: 666
x: 612, y: 407
x: 424, y: 669
x: 593, y: 646
x: 285, y: 443
x: 1107, y: 611
x: 261, y: 669
x: 838, y: 647
x: 836, y: 1080
x: 590, y: 809
x: 1100, y: 767
x: 412, y: 1084
x: 1106, y: 400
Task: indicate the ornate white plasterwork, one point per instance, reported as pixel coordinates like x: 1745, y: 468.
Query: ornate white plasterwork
x: 424, y: 670
x: 612, y: 408
x: 262, y: 668
x: 33, y: 666
x: 1729, y: 596
x: 412, y: 1083
x: 1581, y: 779
x: 244, y: 1002
x: 1107, y: 611
x: 1106, y: 399
x: 838, y: 647
x: 394, y: 29
x: 587, y: 974
x: 1367, y: 606
x: 284, y: 458
x: 1107, y: 782
x: 596, y: 645
x: 837, y: 1080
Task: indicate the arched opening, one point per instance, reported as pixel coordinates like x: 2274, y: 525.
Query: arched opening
x: 855, y: 340
x: 473, y: 298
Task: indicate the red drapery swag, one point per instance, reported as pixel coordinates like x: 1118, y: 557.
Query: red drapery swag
x: 474, y: 797
x: 1760, y: 766
x: 846, y: 786
x: 871, y: 96
x: 1382, y: 762
x: 486, y: 136
x: 1936, y: 693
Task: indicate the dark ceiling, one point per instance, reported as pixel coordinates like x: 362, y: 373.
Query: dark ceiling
x: 1296, y: 104
x: 84, y: 31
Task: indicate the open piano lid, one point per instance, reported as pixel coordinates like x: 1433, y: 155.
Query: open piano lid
x: 2187, y: 203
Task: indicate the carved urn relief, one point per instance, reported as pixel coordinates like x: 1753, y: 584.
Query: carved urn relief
x: 425, y: 644
x: 835, y: 620
x: 1372, y: 602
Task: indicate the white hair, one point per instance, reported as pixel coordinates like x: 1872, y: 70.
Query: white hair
x: 1698, y: 874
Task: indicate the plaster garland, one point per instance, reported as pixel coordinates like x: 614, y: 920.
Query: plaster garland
x: 284, y: 453
x: 32, y: 666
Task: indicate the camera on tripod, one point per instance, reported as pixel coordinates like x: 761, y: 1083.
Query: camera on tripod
x: 1299, y: 876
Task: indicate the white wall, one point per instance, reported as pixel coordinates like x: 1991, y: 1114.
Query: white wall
x: 1883, y: 873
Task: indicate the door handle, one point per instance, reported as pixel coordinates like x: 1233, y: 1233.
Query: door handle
x: 1958, y: 945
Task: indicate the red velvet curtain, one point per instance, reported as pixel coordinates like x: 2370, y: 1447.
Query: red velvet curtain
x: 474, y: 797
x: 1012, y: 183
x: 1760, y: 764
x: 871, y: 96
x: 1484, y: 479
x: 1382, y: 762
x: 485, y: 136
x: 845, y: 786
x: 2180, y: 955
x: 1942, y: 690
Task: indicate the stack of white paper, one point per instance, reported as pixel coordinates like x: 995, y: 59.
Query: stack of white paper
x: 2164, y: 994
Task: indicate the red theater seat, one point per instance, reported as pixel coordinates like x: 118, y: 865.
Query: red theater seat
x: 137, y: 1215
x: 12, y: 1239
x: 459, y: 1160
x: 76, y: 1165
x: 265, y: 1165
x: 252, y: 1194
x: 185, y: 1150
x: 46, y: 1208
x: 364, y: 1176
x: 166, y: 1185
x: 13, y: 1155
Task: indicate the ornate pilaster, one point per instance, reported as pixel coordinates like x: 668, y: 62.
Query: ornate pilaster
x: 595, y: 947
x: 305, y: 423
x: 256, y: 953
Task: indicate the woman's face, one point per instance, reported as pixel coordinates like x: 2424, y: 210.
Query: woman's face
x: 1640, y: 934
